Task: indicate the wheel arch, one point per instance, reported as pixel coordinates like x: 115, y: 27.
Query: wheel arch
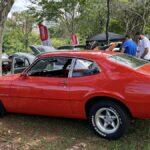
x: 92, y: 101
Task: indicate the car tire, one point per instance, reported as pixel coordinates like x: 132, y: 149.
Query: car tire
x: 108, y: 120
x: 2, y: 110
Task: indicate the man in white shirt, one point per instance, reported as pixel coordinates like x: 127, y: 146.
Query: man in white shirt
x: 144, y: 46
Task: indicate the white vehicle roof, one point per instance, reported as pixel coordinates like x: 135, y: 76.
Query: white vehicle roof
x: 30, y: 57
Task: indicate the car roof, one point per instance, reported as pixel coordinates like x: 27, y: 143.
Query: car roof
x: 89, y: 54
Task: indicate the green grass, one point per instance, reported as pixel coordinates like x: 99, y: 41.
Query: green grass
x: 40, y: 133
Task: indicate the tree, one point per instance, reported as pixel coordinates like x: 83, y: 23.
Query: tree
x: 19, y: 33
x: 5, y: 6
x: 64, y: 11
x: 24, y: 21
x: 108, y: 20
x: 133, y: 15
x: 89, y: 17
x: 86, y: 17
x: 92, y: 18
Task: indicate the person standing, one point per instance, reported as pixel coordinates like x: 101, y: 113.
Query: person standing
x: 129, y: 46
x: 144, y: 47
x: 138, y: 53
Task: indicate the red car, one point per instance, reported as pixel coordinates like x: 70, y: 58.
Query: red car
x: 106, y: 88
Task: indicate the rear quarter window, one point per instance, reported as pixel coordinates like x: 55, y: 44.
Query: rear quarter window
x: 85, y: 68
x: 128, y: 61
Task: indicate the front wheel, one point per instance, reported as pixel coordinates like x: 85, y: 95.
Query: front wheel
x: 108, y: 120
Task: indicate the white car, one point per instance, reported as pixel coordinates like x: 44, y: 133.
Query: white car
x: 18, y: 62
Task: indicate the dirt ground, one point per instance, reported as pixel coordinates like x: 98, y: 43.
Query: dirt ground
x: 22, y: 132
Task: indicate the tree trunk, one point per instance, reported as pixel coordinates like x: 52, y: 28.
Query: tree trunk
x: 5, y: 7
x: 108, y: 19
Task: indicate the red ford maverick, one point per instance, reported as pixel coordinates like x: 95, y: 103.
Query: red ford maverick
x: 106, y: 88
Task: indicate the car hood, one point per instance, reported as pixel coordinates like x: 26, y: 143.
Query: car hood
x: 145, y: 69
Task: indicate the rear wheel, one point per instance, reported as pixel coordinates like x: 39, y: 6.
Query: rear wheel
x: 108, y: 120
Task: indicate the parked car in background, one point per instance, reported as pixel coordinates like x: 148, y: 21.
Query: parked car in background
x: 106, y: 88
x: 5, y: 63
x: 18, y: 62
x: 39, y: 49
x: 72, y: 47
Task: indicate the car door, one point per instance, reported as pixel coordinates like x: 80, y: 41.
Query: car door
x: 19, y: 64
x: 84, y: 79
x: 44, y: 90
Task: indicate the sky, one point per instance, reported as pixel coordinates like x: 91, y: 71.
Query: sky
x: 21, y: 5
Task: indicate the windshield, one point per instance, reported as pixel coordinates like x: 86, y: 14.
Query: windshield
x: 129, y: 61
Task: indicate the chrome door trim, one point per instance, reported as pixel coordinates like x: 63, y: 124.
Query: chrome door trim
x: 72, y: 67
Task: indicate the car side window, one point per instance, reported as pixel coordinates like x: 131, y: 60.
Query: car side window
x: 51, y: 67
x: 21, y: 62
x: 27, y: 62
x: 84, y: 68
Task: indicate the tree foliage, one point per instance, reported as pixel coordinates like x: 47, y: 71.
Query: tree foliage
x: 60, y: 11
x: 88, y: 17
x: 133, y: 15
x: 93, y: 18
x: 18, y: 33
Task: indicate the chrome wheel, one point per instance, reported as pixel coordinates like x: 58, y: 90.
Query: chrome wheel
x: 107, y: 120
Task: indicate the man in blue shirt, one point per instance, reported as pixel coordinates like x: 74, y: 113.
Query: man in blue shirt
x: 129, y: 46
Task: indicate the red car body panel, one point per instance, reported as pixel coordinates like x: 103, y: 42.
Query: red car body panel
x: 145, y: 69
x: 67, y: 97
